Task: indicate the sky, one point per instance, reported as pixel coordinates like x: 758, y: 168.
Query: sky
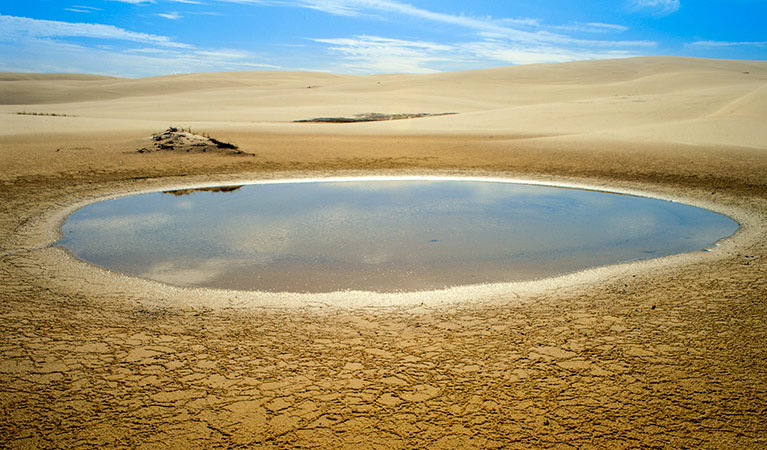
x: 139, y: 38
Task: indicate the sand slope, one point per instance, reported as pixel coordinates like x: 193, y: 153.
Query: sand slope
x: 683, y: 100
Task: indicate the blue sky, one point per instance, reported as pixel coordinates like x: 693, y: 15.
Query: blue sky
x: 137, y: 38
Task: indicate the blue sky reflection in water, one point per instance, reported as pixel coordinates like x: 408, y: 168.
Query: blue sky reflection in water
x: 380, y: 235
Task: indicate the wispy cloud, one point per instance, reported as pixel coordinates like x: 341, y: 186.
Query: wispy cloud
x: 488, y: 26
x: 454, y: 41
x: 171, y: 15
x: 31, y: 45
x: 367, y: 54
x: 47, y: 55
x: 510, y: 53
x: 593, y: 27
x: 374, y: 54
x: 12, y: 27
x: 495, y: 40
x: 340, y: 8
x: 509, y: 27
x: 519, y: 22
x: 209, y: 59
x: 659, y: 8
x: 478, y: 24
x: 331, y: 7
x: 720, y: 44
x: 82, y: 9
x: 133, y: 2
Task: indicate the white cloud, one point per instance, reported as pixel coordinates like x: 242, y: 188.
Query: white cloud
x: 30, y: 45
x: 366, y: 54
x: 727, y: 44
x: 82, y: 9
x: 487, y: 25
x: 510, y: 53
x: 18, y: 28
x: 334, y: 7
x: 478, y: 42
x: 506, y: 40
x: 384, y: 43
x: 340, y: 8
x: 526, y: 22
x: 449, y: 19
x: 226, y: 54
x: 658, y: 7
x: 497, y: 41
x: 593, y: 27
x: 505, y: 27
x: 197, y: 60
x: 133, y: 2
x: 171, y: 15
x: 188, y: 2
x: 374, y: 54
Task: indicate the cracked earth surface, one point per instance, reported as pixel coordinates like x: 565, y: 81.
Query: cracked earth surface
x: 667, y: 357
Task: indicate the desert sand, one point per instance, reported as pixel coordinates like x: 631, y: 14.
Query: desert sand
x: 666, y: 353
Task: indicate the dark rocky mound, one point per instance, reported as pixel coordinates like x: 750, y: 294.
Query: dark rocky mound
x: 184, y: 141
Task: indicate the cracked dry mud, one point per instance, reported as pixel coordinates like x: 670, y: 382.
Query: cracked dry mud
x: 667, y: 357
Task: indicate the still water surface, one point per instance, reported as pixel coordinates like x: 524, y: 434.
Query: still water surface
x: 382, y: 236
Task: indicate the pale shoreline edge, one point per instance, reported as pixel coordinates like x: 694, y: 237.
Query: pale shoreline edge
x: 42, y: 233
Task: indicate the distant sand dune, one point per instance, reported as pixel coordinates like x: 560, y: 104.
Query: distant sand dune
x: 680, y: 100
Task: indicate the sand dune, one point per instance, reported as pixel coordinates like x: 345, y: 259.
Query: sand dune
x: 64, y: 88
x: 750, y: 105
x: 664, y: 99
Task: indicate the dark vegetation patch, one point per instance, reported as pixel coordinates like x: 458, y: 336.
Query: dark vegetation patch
x: 24, y: 113
x: 373, y: 117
